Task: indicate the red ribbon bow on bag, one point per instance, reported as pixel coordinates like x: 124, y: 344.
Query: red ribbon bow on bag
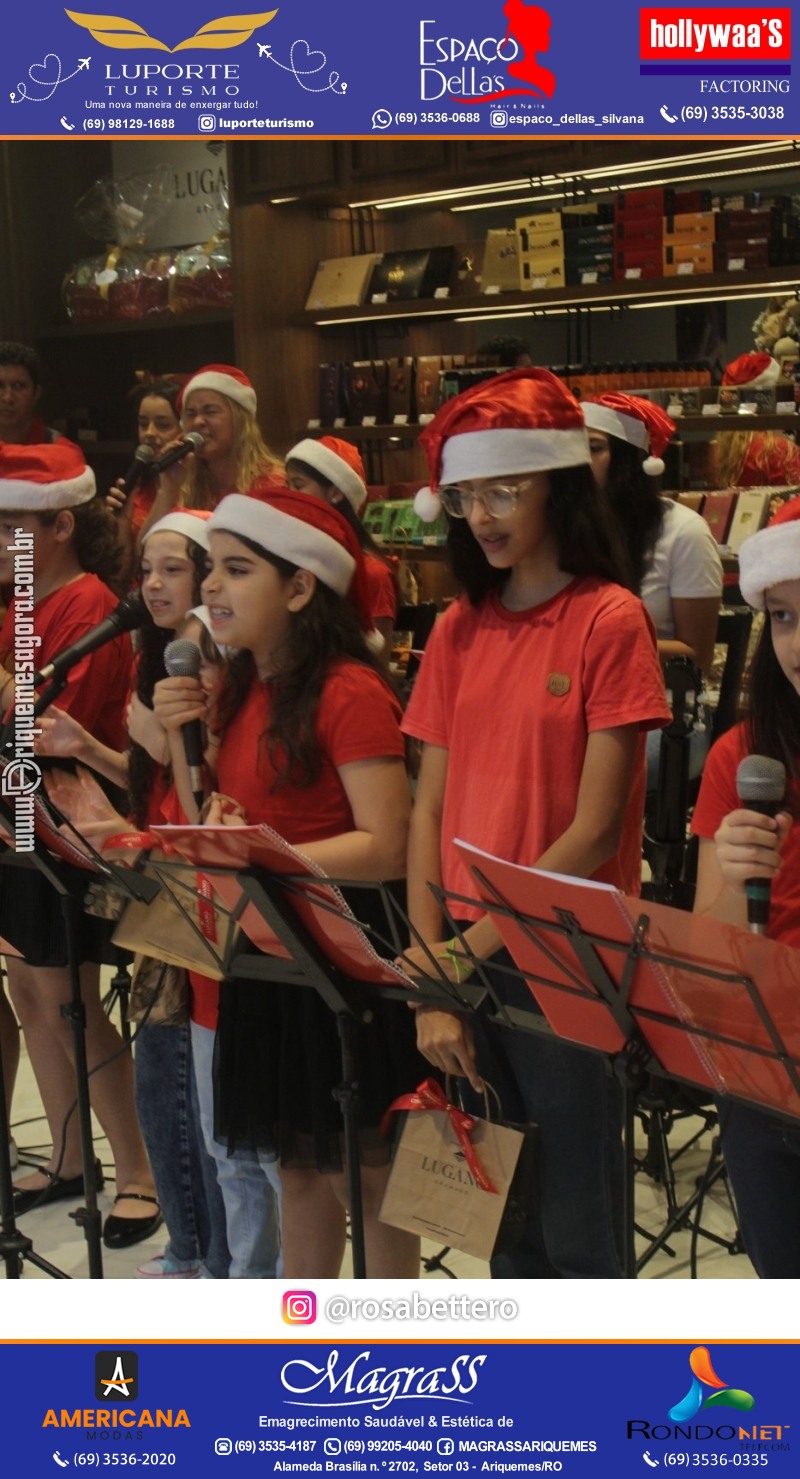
x: 430, y: 1095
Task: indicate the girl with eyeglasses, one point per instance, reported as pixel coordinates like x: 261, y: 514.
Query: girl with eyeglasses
x: 532, y: 703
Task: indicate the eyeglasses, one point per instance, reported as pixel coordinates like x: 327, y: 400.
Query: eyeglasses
x: 498, y: 501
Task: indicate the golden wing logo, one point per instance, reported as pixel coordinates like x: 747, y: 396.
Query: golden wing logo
x: 125, y: 35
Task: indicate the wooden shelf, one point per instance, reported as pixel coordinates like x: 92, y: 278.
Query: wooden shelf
x: 769, y: 421
x: 627, y: 292
x: 201, y: 318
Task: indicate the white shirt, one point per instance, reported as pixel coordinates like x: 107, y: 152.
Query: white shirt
x: 685, y: 563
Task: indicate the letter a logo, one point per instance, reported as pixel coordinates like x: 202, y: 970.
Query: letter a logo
x: 116, y: 1376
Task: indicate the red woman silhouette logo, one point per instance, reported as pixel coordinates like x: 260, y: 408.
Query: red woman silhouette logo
x: 530, y: 27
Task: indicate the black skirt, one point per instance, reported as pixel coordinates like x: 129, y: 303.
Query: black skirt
x: 32, y: 918
x: 277, y: 1063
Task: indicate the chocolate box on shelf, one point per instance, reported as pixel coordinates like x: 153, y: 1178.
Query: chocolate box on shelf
x: 501, y: 261
x: 341, y: 282
x: 403, y: 276
x: 466, y: 273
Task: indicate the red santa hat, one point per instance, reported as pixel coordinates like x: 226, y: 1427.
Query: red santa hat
x: 40, y: 477
x: 191, y: 522
x: 771, y: 556
x: 225, y: 380
x: 759, y: 371
x: 338, y: 462
x: 633, y: 420
x: 523, y: 421
x: 304, y: 531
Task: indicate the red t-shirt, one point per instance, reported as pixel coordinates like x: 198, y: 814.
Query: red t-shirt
x: 381, y: 588
x: 717, y: 798
x: 358, y: 719
x: 97, y: 689
x: 774, y: 468
x: 513, y: 697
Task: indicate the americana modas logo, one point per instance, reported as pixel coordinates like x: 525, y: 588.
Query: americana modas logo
x: 116, y: 1376
x: 217, y: 35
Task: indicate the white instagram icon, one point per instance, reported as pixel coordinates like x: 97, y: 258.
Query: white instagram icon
x: 498, y: 118
x: 206, y: 123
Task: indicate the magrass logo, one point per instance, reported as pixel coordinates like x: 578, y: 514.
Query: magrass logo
x: 697, y: 1399
x: 116, y: 1376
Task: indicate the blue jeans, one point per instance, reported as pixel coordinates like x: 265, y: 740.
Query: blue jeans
x: 576, y: 1225
x: 183, y: 1171
x: 248, y: 1180
x: 762, y: 1155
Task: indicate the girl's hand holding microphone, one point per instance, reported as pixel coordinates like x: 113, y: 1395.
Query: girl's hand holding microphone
x: 748, y: 845
x: 177, y: 701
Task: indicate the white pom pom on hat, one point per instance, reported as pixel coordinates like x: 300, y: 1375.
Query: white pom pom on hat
x: 427, y: 505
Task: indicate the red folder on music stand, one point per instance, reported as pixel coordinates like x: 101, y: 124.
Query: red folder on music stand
x: 708, y: 1003
x: 224, y: 854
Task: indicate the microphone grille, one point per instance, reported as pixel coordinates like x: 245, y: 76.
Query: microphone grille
x: 144, y: 454
x: 182, y: 658
x: 759, y: 778
x: 195, y: 439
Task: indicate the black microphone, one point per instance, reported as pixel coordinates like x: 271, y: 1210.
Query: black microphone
x: 182, y: 659
x: 126, y: 617
x: 760, y: 786
x: 143, y: 459
x: 192, y: 442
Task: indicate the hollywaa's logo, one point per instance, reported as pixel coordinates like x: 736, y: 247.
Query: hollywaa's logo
x: 527, y: 35
x: 704, y: 1376
x: 218, y: 35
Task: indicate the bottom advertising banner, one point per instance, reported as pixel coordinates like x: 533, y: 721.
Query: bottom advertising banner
x: 384, y: 1408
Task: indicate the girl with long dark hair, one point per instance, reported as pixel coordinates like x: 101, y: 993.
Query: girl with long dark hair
x: 532, y: 701
x: 762, y: 1154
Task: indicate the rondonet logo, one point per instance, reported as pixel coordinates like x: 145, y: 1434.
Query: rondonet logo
x: 728, y: 34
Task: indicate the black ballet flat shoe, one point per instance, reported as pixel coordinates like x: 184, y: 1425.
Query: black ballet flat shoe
x: 59, y: 1189
x: 123, y: 1232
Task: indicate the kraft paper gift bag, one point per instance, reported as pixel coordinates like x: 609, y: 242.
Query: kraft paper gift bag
x: 161, y: 929
x: 451, y: 1172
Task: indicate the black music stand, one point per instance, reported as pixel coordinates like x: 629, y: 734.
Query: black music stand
x: 50, y: 852
x: 300, y: 914
x: 657, y: 991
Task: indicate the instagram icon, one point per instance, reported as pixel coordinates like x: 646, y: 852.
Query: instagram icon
x: 300, y: 1307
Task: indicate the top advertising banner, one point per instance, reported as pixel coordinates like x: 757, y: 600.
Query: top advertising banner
x: 481, y: 67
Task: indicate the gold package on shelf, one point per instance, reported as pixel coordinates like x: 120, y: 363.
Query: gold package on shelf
x: 128, y: 280
x: 202, y: 276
